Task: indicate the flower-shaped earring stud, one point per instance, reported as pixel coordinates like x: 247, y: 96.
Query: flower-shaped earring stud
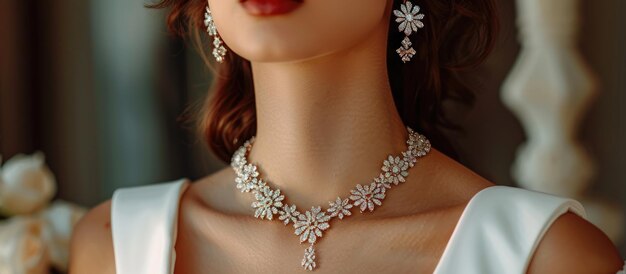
x: 410, y: 20
x: 219, y: 51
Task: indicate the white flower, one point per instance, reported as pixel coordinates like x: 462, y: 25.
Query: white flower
x: 368, y: 195
x: 383, y: 182
x: 267, y: 202
x: 340, y: 208
x: 26, y: 184
x: 308, y: 262
x: 409, y: 158
x: 22, y: 249
x: 395, y: 169
x: 219, y: 50
x: 310, y: 224
x: 249, y: 171
x: 251, y: 184
x: 258, y: 184
x: 59, y: 219
x: 209, y: 23
x: 238, y: 159
x: 247, y: 178
x: 418, y: 145
x: 289, y: 214
x: 409, y: 18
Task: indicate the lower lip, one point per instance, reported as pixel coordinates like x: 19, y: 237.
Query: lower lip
x: 270, y: 7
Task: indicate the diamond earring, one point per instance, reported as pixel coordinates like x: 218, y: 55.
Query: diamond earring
x: 409, y: 18
x: 219, y: 51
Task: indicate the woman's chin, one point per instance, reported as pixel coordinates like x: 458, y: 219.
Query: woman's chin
x: 276, y: 54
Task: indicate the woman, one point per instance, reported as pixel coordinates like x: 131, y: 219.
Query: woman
x: 331, y: 91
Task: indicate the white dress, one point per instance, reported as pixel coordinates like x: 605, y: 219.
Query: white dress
x: 498, y: 231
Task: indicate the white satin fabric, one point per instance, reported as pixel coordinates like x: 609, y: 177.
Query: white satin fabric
x: 143, y: 224
x: 498, y: 231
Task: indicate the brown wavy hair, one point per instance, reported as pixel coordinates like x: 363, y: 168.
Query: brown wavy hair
x: 458, y: 35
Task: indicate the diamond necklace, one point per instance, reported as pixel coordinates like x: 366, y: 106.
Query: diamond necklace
x: 310, y: 224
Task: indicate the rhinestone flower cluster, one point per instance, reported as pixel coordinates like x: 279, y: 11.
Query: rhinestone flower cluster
x: 309, y: 225
x: 409, y: 17
x: 219, y: 51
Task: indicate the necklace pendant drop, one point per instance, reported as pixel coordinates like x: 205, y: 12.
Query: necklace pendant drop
x: 308, y: 261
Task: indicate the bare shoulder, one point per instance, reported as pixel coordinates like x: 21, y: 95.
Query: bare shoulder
x: 214, y: 183
x: 91, y: 246
x: 216, y: 192
x: 450, y: 179
x: 573, y: 245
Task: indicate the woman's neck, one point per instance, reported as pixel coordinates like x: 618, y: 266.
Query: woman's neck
x: 325, y: 124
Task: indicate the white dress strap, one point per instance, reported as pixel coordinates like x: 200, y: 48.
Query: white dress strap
x: 500, y: 229
x: 144, y: 223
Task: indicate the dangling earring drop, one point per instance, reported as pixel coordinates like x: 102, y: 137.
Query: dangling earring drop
x: 409, y: 19
x: 219, y: 51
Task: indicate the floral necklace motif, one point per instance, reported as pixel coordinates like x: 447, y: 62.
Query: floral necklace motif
x: 310, y: 224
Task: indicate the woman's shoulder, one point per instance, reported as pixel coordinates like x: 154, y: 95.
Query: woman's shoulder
x: 216, y: 194
x: 91, y: 246
x: 561, y: 239
x: 574, y: 245
x: 571, y: 244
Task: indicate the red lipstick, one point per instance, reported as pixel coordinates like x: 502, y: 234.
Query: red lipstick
x: 270, y: 7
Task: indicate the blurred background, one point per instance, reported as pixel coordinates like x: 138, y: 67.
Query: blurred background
x: 101, y: 89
